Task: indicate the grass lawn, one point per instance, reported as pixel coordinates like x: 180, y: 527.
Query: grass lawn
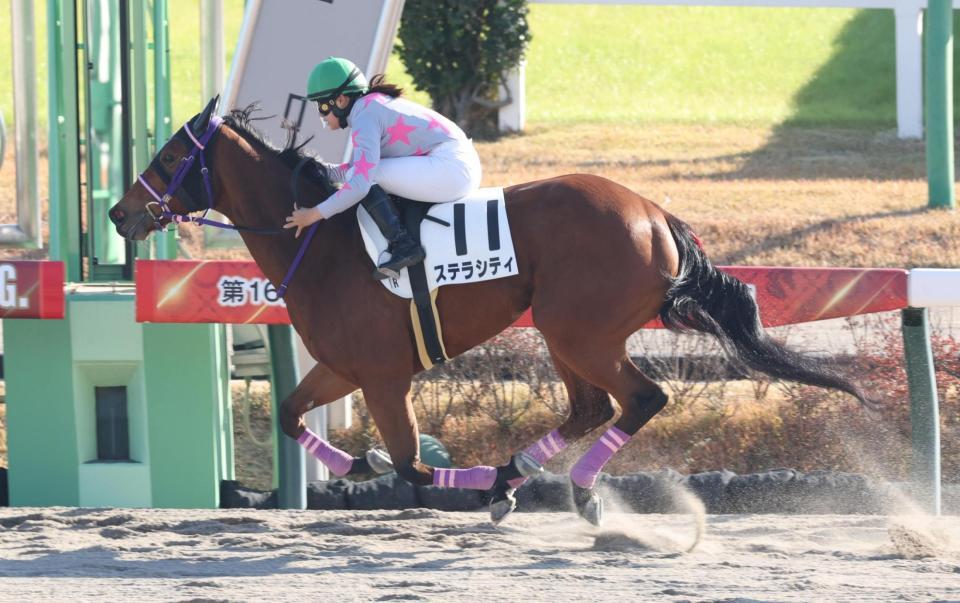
x: 748, y: 123
x: 706, y: 65
x: 591, y: 64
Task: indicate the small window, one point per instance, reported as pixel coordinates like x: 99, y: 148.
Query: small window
x: 113, y: 433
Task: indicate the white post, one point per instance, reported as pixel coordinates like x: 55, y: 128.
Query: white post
x: 26, y: 232
x: 211, y: 48
x: 512, y: 117
x: 909, y: 43
x: 340, y: 413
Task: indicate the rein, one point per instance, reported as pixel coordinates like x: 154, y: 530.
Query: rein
x: 176, y: 181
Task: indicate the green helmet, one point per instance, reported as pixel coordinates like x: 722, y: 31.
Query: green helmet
x: 333, y: 77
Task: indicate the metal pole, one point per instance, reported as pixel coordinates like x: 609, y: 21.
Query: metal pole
x: 25, y: 124
x: 924, y: 407
x: 212, y: 48
x: 105, y: 181
x: 938, y: 30
x: 292, y: 491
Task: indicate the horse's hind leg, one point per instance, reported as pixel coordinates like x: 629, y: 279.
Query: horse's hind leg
x: 319, y: 387
x: 590, y: 407
x: 640, y: 399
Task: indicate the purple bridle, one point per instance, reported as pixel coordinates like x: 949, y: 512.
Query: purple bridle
x: 176, y: 181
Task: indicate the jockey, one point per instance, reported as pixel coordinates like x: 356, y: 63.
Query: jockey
x: 399, y: 147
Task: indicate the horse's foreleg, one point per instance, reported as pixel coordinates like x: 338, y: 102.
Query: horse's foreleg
x: 319, y: 387
x: 388, y: 402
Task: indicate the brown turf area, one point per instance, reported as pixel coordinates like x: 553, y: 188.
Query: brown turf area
x: 756, y: 195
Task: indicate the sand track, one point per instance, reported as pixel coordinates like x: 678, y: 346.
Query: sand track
x: 239, y: 555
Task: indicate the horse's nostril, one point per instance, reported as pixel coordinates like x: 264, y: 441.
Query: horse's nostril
x: 116, y: 215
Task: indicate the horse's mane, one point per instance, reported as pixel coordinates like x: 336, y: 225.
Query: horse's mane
x: 241, y: 121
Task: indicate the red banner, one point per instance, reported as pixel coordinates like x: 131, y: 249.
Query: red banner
x: 237, y: 292
x: 794, y: 295
x: 206, y: 291
x: 31, y: 289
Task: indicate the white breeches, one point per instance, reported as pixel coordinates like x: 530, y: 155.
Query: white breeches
x: 449, y: 172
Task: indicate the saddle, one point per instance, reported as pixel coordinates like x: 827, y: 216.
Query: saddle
x: 467, y: 241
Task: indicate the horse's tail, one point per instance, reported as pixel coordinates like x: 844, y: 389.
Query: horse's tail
x: 702, y: 298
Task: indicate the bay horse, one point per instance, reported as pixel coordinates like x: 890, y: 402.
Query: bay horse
x: 596, y: 262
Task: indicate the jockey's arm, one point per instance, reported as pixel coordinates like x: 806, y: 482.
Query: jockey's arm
x: 361, y: 174
x: 336, y: 172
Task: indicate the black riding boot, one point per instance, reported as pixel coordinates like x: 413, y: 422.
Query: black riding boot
x: 404, y: 251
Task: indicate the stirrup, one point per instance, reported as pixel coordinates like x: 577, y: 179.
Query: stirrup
x: 392, y: 267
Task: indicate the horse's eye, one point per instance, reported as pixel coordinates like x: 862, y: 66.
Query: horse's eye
x: 167, y: 158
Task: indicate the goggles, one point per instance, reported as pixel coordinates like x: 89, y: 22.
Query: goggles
x: 325, y: 106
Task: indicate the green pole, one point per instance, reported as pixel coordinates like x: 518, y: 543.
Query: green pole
x: 64, y: 147
x: 166, y: 241
x: 290, y: 466
x: 924, y: 412
x: 939, y: 103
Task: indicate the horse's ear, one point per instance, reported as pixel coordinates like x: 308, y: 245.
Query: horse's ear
x: 199, y: 125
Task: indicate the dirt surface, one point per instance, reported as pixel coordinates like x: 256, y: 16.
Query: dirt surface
x: 425, y: 555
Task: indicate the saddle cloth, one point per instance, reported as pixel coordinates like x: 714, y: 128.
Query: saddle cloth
x: 471, y: 244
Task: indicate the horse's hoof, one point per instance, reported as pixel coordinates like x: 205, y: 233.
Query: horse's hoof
x: 527, y: 465
x: 500, y: 508
x: 379, y: 461
x: 589, y: 504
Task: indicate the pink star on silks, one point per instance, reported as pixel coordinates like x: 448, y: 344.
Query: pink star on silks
x: 362, y: 166
x: 353, y: 138
x: 419, y: 152
x: 346, y: 186
x: 399, y: 131
x: 343, y: 167
x: 376, y: 96
x: 436, y: 124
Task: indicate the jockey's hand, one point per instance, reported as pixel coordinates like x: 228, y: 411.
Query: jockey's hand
x: 303, y: 217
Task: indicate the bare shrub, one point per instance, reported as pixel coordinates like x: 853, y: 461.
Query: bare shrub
x: 496, y: 400
x: 686, y: 366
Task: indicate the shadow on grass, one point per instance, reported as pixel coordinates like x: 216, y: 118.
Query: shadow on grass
x: 795, y: 236
x: 843, y: 123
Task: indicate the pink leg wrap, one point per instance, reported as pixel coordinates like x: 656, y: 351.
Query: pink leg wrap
x: 336, y: 460
x: 543, y: 450
x: 474, y: 478
x: 585, y: 472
